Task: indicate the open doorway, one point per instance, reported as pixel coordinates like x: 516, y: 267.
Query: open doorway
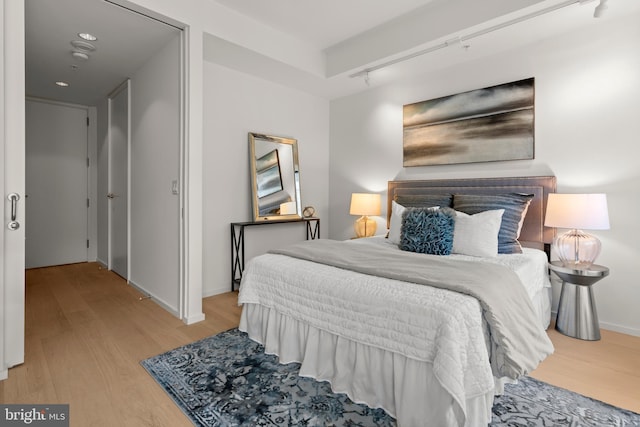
x: 80, y: 51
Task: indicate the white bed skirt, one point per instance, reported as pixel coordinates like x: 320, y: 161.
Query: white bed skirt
x: 405, y: 388
x: 542, y: 306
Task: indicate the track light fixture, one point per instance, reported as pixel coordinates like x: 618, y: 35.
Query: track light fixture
x: 463, y: 41
x: 459, y: 42
x: 600, y: 9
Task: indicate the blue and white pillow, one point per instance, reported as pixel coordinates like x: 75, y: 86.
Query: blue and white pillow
x: 424, y: 200
x: 413, y: 201
x: 515, y: 207
x: 427, y: 230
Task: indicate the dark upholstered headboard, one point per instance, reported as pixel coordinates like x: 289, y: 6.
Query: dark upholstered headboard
x: 533, y: 234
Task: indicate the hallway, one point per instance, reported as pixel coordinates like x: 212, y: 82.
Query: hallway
x: 86, y: 332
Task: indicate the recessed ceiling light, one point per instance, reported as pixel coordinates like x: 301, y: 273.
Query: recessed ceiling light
x: 83, y: 46
x: 62, y: 84
x: 79, y: 55
x: 87, y: 36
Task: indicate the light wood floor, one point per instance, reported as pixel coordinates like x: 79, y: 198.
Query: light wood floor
x: 87, y: 331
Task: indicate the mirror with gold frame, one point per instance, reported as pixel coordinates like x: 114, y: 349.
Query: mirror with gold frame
x: 275, y: 177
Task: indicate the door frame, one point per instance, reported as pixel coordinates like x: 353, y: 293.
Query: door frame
x: 91, y: 177
x: 12, y: 106
x: 12, y: 308
x: 191, y: 143
x: 190, y: 162
x: 126, y: 85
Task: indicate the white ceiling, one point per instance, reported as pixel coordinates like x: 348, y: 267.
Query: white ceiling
x: 352, y: 35
x: 323, y: 23
x: 417, y: 26
x: 125, y: 41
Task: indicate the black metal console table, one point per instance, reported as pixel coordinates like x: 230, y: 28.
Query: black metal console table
x: 237, y: 241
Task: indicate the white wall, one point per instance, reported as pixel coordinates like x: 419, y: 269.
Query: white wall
x: 234, y: 105
x: 587, y: 91
x: 200, y: 17
x: 155, y: 162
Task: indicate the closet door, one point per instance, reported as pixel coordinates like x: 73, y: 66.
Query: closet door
x: 155, y: 178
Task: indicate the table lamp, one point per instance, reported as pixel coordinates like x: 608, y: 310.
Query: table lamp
x: 575, y: 248
x: 288, y: 208
x: 365, y: 204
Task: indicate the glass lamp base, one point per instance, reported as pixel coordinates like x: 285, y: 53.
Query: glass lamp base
x: 577, y: 249
x: 365, y: 227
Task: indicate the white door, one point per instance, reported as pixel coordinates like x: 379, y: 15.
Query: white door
x: 57, y: 184
x: 119, y: 180
x: 12, y: 181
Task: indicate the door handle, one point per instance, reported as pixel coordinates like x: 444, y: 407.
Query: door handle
x: 111, y: 195
x: 13, y: 224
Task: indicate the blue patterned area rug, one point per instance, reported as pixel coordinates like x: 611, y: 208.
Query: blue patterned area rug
x: 228, y: 380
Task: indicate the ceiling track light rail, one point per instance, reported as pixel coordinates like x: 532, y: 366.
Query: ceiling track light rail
x: 462, y: 41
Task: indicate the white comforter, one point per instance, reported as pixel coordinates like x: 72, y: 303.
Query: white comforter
x: 439, y: 327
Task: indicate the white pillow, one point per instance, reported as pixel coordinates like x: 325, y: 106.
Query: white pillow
x: 477, y: 235
x: 396, y: 222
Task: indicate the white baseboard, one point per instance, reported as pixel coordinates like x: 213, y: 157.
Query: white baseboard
x: 190, y: 320
x: 611, y: 327
x: 194, y: 319
x: 618, y: 328
x: 158, y: 301
x: 214, y: 291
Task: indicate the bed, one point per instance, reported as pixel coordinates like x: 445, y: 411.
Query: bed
x: 429, y: 338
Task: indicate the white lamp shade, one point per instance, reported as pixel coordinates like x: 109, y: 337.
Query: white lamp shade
x: 577, y: 211
x: 365, y: 204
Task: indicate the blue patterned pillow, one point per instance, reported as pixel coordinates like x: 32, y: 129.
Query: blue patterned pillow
x: 427, y: 230
x: 515, y: 207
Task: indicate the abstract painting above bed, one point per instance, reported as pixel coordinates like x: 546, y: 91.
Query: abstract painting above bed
x: 484, y: 125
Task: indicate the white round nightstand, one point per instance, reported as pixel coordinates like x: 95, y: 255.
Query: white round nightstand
x: 577, y: 315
